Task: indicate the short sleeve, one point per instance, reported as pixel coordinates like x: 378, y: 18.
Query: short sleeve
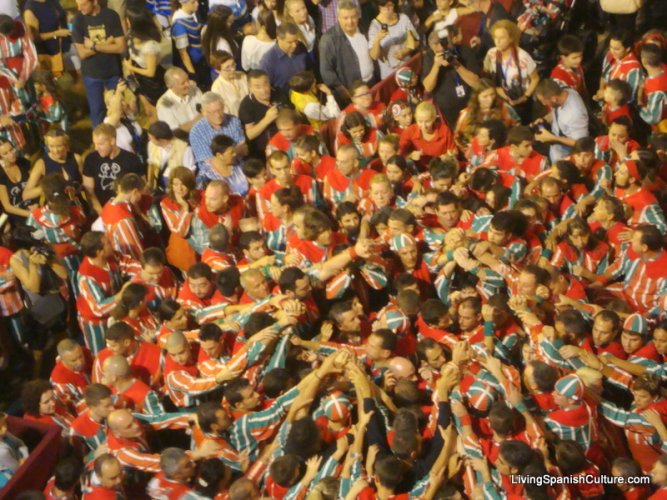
x: 245, y: 112
x: 89, y: 166
x: 528, y: 62
x: 488, y: 63
x: 114, y: 26
x: 150, y: 48
x: 373, y: 30
x: 77, y: 29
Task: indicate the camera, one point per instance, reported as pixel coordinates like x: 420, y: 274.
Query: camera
x: 44, y: 249
x: 537, y: 125
x: 384, y: 27
x: 448, y: 53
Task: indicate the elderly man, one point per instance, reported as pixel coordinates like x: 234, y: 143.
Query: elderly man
x: 286, y: 58
x: 177, y: 473
x: 344, y: 54
x: 215, y: 122
x: 178, y: 105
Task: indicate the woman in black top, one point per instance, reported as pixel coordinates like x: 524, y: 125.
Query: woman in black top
x: 57, y: 160
x: 13, y: 179
x: 47, y: 22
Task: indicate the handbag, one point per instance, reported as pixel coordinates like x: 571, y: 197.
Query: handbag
x: 621, y: 6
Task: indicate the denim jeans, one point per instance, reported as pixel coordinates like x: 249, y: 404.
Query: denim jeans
x: 95, y: 88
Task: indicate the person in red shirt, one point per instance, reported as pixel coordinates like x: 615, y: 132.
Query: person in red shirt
x: 174, y: 480
x: 71, y: 375
x: 309, y: 160
x: 659, y: 479
x: 428, y: 137
x: 617, y: 94
x: 67, y: 477
x: 568, y: 72
x: 107, y: 482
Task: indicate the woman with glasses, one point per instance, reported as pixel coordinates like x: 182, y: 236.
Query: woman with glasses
x: 13, y: 179
x: 231, y: 85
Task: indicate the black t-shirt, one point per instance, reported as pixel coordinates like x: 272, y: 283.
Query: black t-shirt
x: 252, y: 111
x: 445, y: 93
x: 105, y: 171
x: 98, y: 28
x: 15, y: 189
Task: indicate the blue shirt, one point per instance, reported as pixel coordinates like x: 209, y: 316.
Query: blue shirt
x: 281, y: 67
x: 237, y: 182
x: 202, y: 133
x: 186, y: 31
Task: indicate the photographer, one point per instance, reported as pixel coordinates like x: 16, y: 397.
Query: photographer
x: 42, y: 278
x: 568, y: 118
x: 449, y: 71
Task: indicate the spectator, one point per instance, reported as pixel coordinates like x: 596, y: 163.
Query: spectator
x: 186, y: 31
x: 304, y: 91
x: 231, y: 85
x: 106, y: 164
x: 255, y: 46
x: 13, y: 180
x: 344, y: 55
x: 218, y: 34
x: 296, y: 12
x: 166, y: 152
x: 215, y: 122
x: 99, y: 40
x: 223, y: 166
x: 450, y: 75
x: 285, y: 59
x: 258, y: 112
x: 568, y: 118
x: 47, y: 25
x: 392, y: 37
x: 513, y: 70
x: 179, y: 106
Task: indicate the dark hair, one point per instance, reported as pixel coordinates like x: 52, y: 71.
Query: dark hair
x: 433, y: 310
x: 290, y: 196
x: 288, y: 278
x: 267, y: 20
x: 248, y: 237
x: 221, y: 143
x: 510, y: 221
x: 275, y: 382
x: 623, y: 121
x: 574, y: 323
x: 517, y: 135
x: 388, y: 338
x: 153, y: 256
x: 210, y: 331
x: 569, y: 44
x: 7, y: 25
x: 31, y: 394
x: 651, y: 54
x: 132, y: 296
x: 584, y: 145
x: 68, y: 473
x: 626, y: 37
x: 206, y: 414
x: 211, y: 472
x: 497, y: 131
x: 345, y: 208
x: 610, y: 317
x: 91, y: 243
x: 252, y: 167
x: 95, y: 393
x: 200, y: 270
x: 255, y: 74
x: 390, y: 471
x: 403, y: 215
x: 257, y: 321
x: 354, y: 119
x: 233, y: 390
x: 302, y: 81
x: 651, y: 237
x: 303, y: 439
x: 167, y: 309
x: 217, y: 28
x: 517, y: 454
x: 623, y: 88
x: 545, y: 376
x: 142, y: 23
x: 283, y: 470
x: 501, y: 419
x: 130, y: 182
x: 287, y: 29
x: 443, y: 169
x: 228, y: 280
x: 119, y: 331
x: 570, y: 457
x: 218, y: 237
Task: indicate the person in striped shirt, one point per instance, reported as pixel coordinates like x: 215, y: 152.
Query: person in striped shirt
x: 129, y: 391
x: 88, y: 430
x: 120, y: 220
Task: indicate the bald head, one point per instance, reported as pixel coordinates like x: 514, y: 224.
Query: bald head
x: 119, y: 420
x: 402, y: 368
x: 243, y: 489
x: 116, y: 367
x: 175, y: 340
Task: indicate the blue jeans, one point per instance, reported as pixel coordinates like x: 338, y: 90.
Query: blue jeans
x: 95, y: 88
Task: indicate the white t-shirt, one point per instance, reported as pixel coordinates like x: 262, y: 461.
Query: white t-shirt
x: 509, y: 68
x: 252, y: 52
x: 9, y: 8
x: 360, y: 46
x: 398, y: 33
x: 449, y: 20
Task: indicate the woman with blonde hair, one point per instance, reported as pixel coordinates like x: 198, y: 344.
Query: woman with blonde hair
x: 122, y: 114
x: 483, y: 105
x: 297, y: 13
x: 429, y: 137
x: 511, y: 68
x: 177, y: 209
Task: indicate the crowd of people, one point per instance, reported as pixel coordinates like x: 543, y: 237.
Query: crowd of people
x: 324, y: 249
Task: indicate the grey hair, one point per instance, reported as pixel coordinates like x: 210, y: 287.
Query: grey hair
x: 210, y: 98
x: 348, y: 5
x: 171, y: 73
x: 170, y: 460
x: 344, y: 148
x: 65, y: 346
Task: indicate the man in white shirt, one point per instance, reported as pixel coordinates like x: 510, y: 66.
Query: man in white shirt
x: 178, y: 106
x: 344, y: 53
x: 568, y: 118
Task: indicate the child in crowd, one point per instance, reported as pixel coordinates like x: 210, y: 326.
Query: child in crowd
x: 616, y: 99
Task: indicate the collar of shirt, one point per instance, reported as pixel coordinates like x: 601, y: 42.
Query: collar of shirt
x: 177, y: 98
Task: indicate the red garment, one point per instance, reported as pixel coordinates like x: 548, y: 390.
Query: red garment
x: 441, y: 143
x: 529, y: 168
x: 94, y: 492
x: 133, y: 397
x: 319, y: 171
x: 166, y: 489
x: 145, y: 363
x: 104, y: 279
x: 615, y: 348
x: 230, y: 216
x: 190, y: 301
x: 609, y: 115
x: 573, y: 78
